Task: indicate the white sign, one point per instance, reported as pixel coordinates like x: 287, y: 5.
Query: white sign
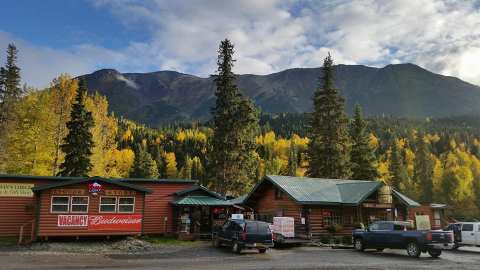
x: 284, y: 226
x: 72, y: 221
x: 237, y: 216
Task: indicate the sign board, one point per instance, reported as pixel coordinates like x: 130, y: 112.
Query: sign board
x: 67, y: 191
x: 111, y: 222
x: 284, y: 226
x: 115, y: 222
x: 377, y: 205
x: 237, y: 216
x: 423, y: 222
x: 16, y: 190
x: 72, y: 221
x: 120, y: 192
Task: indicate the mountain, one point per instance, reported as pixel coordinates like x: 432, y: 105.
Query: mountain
x: 403, y: 90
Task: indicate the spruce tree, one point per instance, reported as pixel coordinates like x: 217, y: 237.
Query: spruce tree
x: 362, y: 157
x: 235, y: 125
x: 292, y: 159
x: 78, y: 143
x: 423, y: 170
x: 143, y: 164
x: 397, y: 168
x: 328, y: 149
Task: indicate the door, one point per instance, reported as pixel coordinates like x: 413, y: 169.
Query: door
x: 377, y: 235
x: 468, y: 234
x: 477, y: 233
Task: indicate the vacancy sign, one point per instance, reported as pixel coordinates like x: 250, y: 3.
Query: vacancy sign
x: 72, y: 221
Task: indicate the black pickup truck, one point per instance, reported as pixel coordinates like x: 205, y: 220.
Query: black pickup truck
x: 243, y: 234
x: 395, y: 235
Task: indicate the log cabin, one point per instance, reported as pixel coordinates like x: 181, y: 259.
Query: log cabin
x: 318, y: 204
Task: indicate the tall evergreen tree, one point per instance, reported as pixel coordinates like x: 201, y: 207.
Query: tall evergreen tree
x: 78, y: 143
x: 397, y: 168
x: 143, y: 164
x: 235, y: 125
x: 362, y: 157
x: 10, y: 90
x: 329, y: 149
x: 423, y: 170
x: 292, y: 159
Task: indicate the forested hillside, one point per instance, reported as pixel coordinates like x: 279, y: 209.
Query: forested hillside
x: 431, y: 160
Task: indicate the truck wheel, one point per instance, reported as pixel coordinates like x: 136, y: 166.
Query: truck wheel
x: 262, y: 250
x: 435, y: 253
x: 413, y: 250
x: 359, y: 244
x: 455, y: 246
x: 236, y: 248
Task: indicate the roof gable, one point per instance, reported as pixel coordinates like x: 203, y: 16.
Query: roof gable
x: 94, y: 179
x: 200, y: 188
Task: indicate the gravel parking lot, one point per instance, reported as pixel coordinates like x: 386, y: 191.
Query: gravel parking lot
x: 203, y: 256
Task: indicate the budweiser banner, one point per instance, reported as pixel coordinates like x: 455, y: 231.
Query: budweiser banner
x: 115, y: 222
x: 111, y: 222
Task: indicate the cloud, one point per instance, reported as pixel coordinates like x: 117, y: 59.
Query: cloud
x: 271, y: 35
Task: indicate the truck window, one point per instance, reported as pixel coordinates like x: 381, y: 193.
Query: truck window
x: 398, y: 227
x: 467, y: 227
x: 384, y: 227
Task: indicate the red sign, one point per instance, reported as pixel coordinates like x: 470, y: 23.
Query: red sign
x: 72, y: 221
x: 115, y: 222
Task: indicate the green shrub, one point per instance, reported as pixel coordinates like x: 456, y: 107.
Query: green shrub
x: 325, y: 239
x: 347, y: 240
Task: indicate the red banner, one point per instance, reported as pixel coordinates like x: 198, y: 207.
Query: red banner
x: 115, y: 222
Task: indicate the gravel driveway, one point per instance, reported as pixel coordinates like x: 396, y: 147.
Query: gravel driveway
x: 203, y: 256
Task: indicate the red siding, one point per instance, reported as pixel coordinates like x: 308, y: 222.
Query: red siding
x: 47, y: 223
x: 158, y: 207
x: 16, y: 211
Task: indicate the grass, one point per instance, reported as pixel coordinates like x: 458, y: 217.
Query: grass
x: 166, y: 240
x: 8, y: 241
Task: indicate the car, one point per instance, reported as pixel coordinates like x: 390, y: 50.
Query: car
x: 395, y: 235
x: 466, y: 233
x: 240, y: 234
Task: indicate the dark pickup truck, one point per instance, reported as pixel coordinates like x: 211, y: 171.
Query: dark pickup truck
x: 244, y: 234
x: 394, y: 235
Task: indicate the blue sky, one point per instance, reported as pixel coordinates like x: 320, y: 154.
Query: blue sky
x: 81, y: 36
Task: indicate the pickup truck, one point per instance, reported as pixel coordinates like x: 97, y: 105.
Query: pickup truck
x: 466, y: 233
x: 242, y: 234
x: 393, y: 234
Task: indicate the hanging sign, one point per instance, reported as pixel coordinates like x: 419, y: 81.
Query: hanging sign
x: 68, y: 191
x: 109, y: 192
x: 95, y: 188
x: 16, y: 190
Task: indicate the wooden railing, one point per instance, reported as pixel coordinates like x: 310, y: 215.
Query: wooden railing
x: 22, y: 231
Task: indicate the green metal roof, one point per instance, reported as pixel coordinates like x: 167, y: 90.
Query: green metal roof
x: 405, y: 200
x: 199, y: 188
x: 238, y: 200
x: 306, y: 190
x: 202, y: 200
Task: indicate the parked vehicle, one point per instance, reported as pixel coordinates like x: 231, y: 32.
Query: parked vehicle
x: 466, y: 233
x: 244, y: 234
x: 395, y: 235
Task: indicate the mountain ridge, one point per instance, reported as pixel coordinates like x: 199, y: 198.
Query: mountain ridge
x: 401, y: 90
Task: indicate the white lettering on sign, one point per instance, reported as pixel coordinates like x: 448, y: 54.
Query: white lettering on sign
x: 72, y: 221
x: 104, y: 220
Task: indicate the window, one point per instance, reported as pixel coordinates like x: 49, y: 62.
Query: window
x: 79, y: 204
x: 467, y: 227
x: 384, y: 226
x: 126, y: 204
x: 60, y: 204
x: 108, y: 204
x: 398, y: 227
x: 332, y: 220
x: 278, y: 194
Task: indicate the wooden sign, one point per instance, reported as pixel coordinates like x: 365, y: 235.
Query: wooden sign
x: 72, y: 221
x: 119, y: 192
x: 67, y: 191
x: 377, y: 205
x: 16, y: 190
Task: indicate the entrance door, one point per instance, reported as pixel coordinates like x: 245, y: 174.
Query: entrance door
x: 468, y: 234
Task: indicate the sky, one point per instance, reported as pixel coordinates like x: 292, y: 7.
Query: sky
x: 81, y: 36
